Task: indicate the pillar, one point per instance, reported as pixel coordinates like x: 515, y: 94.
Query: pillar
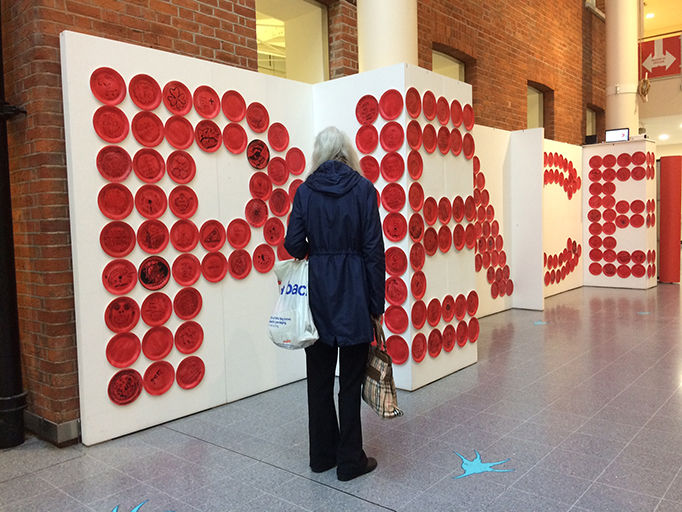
x: 621, y: 65
x: 669, y: 210
x: 387, y: 33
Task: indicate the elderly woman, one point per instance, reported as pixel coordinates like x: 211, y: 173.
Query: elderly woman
x: 335, y: 222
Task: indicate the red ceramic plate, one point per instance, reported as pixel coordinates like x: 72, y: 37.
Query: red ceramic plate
x: 184, y: 235
x: 257, y: 117
x: 474, y: 327
x: 460, y: 306
x: 234, y: 138
x: 263, y: 258
x: 430, y: 211
x: 510, y: 290
x: 111, y: 124
x: 624, y: 159
x: 456, y: 141
x: 608, y: 175
x: 214, y: 267
x: 108, y: 86
x: 468, y: 146
x: 260, y: 186
x: 391, y: 104
x: 150, y: 201
x: 208, y: 136
x: 392, y: 166
x: 444, y: 140
x: 596, y: 161
x: 444, y: 210
x: 443, y: 111
x: 190, y: 372
x: 367, y: 139
x: 154, y: 273
x: 183, y: 202
x: 419, y: 347
x: 123, y: 349
x: 462, y: 332
x: 623, y: 174
x: 117, y: 239
x: 206, y: 102
x: 234, y: 106
x: 238, y: 233
x: 448, y: 308
x: 279, y: 205
x: 147, y: 129
x: 115, y: 201
x: 429, y: 138
x: 637, y: 220
x: 638, y: 256
x: 122, y: 314
x: 212, y: 235
x: 638, y: 158
x: 458, y: 208
x: 393, y: 197
x: 594, y: 175
x: 188, y: 337
x: 472, y: 303
x: 413, y: 102
x: 430, y: 241
x: 449, y: 337
x: 397, y: 348
x: 177, y: 98
x: 470, y: 236
x: 367, y: 109
x: 444, y: 238
x: 119, y: 277
x: 429, y: 102
x: 468, y: 116
x: 273, y: 232
x: 415, y: 165
x: 458, y: 237
x: 370, y: 168
x: 278, y: 137
x: 152, y: 236
x: 416, y: 227
x: 186, y: 269
x: 239, y: 264
x: 295, y: 161
x: 416, y: 196
x: 187, y: 303
x: 396, y: 261
x: 417, y: 256
x: 277, y: 171
x: 145, y: 92
x: 414, y: 134
x: 433, y: 312
x: 396, y: 291
x: 456, y: 113
x: 395, y: 227
x: 181, y: 167
x: 156, y: 309
x: 418, y: 314
x: 125, y: 387
x: 179, y: 132
x: 392, y: 136
x: 149, y: 165
x: 638, y: 173
x: 435, y: 343
x: 258, y: 154
x: 609, y: 161
x: 157, y: 343
x: 113, y: 163
x: 158, y: 378
x: 418, y: 284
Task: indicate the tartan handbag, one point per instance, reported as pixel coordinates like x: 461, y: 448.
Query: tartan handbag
x: 378, y: 389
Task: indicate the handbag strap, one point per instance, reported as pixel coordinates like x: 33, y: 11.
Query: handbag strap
x: 379, y: 336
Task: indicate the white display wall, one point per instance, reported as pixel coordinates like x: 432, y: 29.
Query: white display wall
x: 619, y: 214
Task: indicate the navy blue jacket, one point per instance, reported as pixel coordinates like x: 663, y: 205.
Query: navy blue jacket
x: 335, y: 221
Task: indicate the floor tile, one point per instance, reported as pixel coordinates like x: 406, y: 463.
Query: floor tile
x: 645, y: 480
x: 604, y: 498
x: 550, y: 484
x: 513, y: 500
x: 593, y: 446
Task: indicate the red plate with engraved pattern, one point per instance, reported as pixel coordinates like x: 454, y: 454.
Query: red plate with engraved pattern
x: 190, y: 372
x: 154, y: 273
x: 416, y: 197
x: 181, y: 167
x: 419, y: 347
x: 149, y: 165
x: 278, y: 137
x: 189, y: 337
x: 468, y: 116
x: 177, y: 98
x: 418, y: 284
x: 415, y: 165
x: 122, y: 314
x: 156, y: 309
x: 418, y: 314
x: 429, y: 138
x: 123, y: 350
x: 208, y: 136
x: 370, y: 168
x: 391, y: 104
x: 256, y: 212
x: 367, y: 138
x: 367, y: 110
x: 187, y: 303
x: 114, y: 163
x: 147, y: 129
x: 115, y: 201
x: 429, y: 102
x: 260, y: 186
x: 150, y: 201
x: 183, y: 202
x: 474, y: 327
x: 108, y: 86
x: 462, y: 332
x: 279, y: 203
x: 186, y: 269
x: 263, y: 258
x: 239, y: 264
x: 153, y: 236
x: 449, y: 338
x: 413, y: 102
x: 397, y: 348
x: 179, y: 132
x: 214, y: 267
x: 212, y: 235
x: 396, y: 319
x: 393, y: 197
x: 442, y: 110
x: 257, y: 117
x: 234, y: 138
x: 206, y: 102
x: 456, y: 141
x: 158, y: 378
x: 119, y: 277
x: 392, y: 136
x: 395, y: 227
x: 277, y: 171
x: 145, y: 92
x: 273, y: 232
x: 157, y: 343
x: 468, y: 146
x: 433, y: 312
x: 396, y: 261
x: 430, y: 211
x: 435, y: 343
x: 456, y: 113
x: 234, y: 106
x: 396, y: 291
x: 414, y: 134
x: 417, y: 256
x: 117, y: 239
x: 124, y: 387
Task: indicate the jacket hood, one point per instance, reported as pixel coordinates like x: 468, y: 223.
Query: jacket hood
x: 333, y: 178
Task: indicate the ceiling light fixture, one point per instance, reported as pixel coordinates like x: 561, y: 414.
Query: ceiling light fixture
x: 650, y: 15
x: 664, y: 136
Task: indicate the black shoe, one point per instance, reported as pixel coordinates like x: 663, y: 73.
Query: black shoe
x: 322, y: 469
x: 371, y: 466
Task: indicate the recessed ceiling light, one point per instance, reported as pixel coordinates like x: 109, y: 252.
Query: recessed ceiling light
x: 663, y: 137
x: 650, y: 15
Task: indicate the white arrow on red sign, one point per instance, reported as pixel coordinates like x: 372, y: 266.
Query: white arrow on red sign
x: 659, y: 58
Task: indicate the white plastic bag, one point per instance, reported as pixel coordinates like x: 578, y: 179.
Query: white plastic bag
x: 291, y: 323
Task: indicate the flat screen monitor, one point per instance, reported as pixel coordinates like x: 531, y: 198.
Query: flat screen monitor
x: 618, y: 135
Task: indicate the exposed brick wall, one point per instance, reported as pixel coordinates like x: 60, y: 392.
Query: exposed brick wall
x: 343, y: 39
x: 508, y: 43
x: 217, y: 30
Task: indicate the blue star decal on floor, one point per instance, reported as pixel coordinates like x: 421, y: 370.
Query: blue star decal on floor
x: 475, y: 466
x: 136, y: 509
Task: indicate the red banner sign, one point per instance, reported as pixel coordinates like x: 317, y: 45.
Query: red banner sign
x: 660, y: 57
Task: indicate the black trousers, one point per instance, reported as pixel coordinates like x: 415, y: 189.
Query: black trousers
x: 331, y: 442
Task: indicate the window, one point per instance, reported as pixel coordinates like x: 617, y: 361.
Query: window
x: 292, y: 39
x: 535, y: 112
x: 590, y: 122
x: 448, y: 66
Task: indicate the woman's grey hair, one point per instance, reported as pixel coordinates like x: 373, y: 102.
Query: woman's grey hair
x: 333, y: 144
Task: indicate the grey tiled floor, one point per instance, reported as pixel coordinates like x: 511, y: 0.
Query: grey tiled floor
x: 587, y: 407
